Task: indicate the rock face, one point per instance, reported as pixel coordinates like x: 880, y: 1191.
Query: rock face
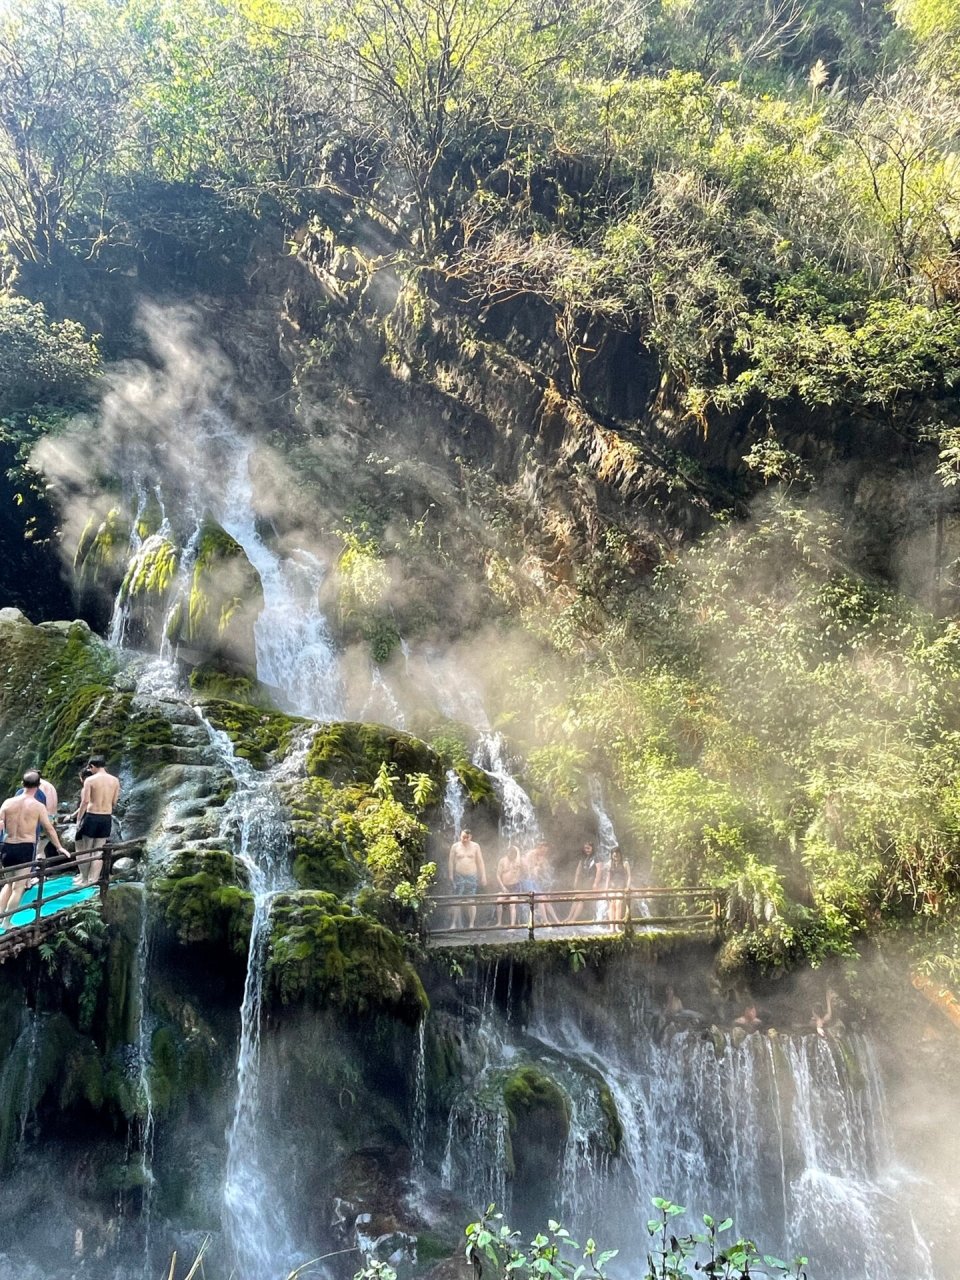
x: 119, y: 1043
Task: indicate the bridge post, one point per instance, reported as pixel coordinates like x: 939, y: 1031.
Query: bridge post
x: 41, y: 876
x: 533, y: 910
x: 105, y: 867
x: 627, y: 918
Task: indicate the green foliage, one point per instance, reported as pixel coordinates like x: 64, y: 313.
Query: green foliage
x: 42, y: 362
x: 496, y: 1249
x: 778, y: 726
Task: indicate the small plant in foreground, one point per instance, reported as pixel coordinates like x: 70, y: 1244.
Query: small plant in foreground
x: 555, y: 1255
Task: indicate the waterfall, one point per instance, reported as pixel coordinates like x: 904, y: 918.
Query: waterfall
x: 295, y: 652
x: 787, y: 1133
x: 606, y: 835
x: 518, y: 818
x: 381, y: 704
x: 454, y: 803
x: 254, y: 823
x: 419, y: 1125
x: 144, y: 1085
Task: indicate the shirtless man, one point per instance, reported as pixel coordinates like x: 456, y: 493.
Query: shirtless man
x: 510, y: 873
x: 19, y: 818
x: 95, y: 816
x: 467, y: 875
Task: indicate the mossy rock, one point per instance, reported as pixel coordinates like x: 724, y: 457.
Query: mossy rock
x: 612, y: 1116
x: 59, y: 703
x: 204, y: 901
x: 538, y: 1115
x: 529, y: 1092
x: 211, y: 682
x: 224, y: 602
x: 101, y: 552
x: 349, y: 752
x: 258, y: 734
x: 327, y: 841
x: 323, y: 955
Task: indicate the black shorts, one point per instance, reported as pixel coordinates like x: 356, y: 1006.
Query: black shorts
x: 16, y: 855
x: 95, y: 826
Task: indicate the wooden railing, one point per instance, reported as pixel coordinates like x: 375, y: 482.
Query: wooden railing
x: 43, y: 921
x: 534, y: 913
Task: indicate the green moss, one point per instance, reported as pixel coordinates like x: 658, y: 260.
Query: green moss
x: 151, y: 572
x: 527, y: 1090
x: 258, y: 735
x: 323, y: 955
x: 224, y: 600
x: 204, y: 903
x: 223, y: 686
x: 349, y: 752
x: 102, y: 548
x: 477, y: 785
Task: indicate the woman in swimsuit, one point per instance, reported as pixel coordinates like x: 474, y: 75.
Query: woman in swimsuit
x: 618, y: 877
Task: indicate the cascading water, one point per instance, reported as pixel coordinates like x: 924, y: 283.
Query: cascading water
x: 787, y: 1133
x: 295, y: 652
x: 144, y: 1084
x: 254, y: 823
x: 606, y: 835
x: 518, y: 818
x: 454, y: 803
x: 419, y: 1124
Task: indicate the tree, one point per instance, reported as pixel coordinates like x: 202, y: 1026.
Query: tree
x: 66, y: 77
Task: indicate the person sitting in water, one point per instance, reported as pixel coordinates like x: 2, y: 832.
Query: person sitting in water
x: 20, y: 817
x: 467, y: 875
x: 510, y: 875
x: 749, y: 1019
x: 95, y: 817
x: 587, y: 876
x: 674, y: 1011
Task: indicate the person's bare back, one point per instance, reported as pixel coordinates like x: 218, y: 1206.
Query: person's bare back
x: 21, y: 814
x: 100, y: 792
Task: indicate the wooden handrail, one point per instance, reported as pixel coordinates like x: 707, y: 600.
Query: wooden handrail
x: 48, y: 868
x: 710, y: 902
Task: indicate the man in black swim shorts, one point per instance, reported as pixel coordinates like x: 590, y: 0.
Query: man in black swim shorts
x: 95, y: 814
x: 20, y: 817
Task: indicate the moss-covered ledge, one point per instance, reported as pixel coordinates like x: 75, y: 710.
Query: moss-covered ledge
x: 205, y: 900
x: 323, y: 954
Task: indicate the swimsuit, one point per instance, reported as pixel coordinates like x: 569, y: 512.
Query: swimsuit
x: 95, y: 826
x: 466, y: 886
x: 17, y: 855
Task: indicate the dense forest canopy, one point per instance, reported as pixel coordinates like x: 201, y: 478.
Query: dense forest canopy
x: 764, y: 193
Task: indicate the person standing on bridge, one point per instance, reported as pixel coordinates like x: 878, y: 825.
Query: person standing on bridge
x: 510, y: 874
x: 467, y: 875
x: 617, y: 877
x: 20, y: 818
x: 587, y: 876
x: 47, y: 795
x: 95, y: 816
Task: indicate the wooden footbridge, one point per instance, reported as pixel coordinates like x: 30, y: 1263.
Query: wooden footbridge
x: 53, y: 897
x: 461, y: 920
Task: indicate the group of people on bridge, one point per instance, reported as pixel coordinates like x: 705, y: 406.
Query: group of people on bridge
x: 534, y: 871
x: 29, y: 815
